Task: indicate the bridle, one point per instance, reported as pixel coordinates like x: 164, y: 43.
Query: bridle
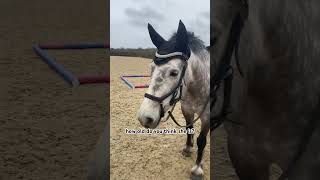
x: 176, y: 92
x: 225, y: 73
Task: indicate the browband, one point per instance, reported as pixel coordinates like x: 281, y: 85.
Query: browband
x: 169, y: 55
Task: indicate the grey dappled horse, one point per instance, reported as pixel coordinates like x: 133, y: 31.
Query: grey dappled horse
x: 180, y: 70
x: 276, y: 102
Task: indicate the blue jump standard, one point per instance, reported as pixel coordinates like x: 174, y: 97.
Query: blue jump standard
x: 65, y: 74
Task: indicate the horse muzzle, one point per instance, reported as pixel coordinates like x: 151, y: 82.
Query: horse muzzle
x: 149, y: 114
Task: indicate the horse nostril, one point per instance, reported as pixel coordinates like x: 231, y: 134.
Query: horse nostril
x: 149, y: 120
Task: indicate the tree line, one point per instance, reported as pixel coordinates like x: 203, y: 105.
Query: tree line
x: 139, y: 52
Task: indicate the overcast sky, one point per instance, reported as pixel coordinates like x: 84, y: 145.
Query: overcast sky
x: 129, y: 19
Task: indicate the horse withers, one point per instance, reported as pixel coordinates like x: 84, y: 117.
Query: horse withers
x: 180, y: 71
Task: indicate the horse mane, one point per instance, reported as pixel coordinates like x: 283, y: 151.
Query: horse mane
x: 200, y: 64
x: 195, y: 43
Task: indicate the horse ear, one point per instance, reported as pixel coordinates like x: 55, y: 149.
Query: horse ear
x: 182, y: 37
x: 156, y: 39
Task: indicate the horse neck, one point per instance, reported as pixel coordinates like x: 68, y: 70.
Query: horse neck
x: 197, y: 77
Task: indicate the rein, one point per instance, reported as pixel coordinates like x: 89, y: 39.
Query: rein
x: 194, y: 121
x: 223, y: 72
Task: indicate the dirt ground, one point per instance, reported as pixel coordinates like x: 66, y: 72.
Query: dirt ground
x: 144, y: 156
x: 47, y: 128
x: 155, y: 156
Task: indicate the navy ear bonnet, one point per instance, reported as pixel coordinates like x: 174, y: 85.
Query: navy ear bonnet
x: 176, y: 47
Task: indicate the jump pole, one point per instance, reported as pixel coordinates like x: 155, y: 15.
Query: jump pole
x: 65, y: 74
x: 93, y: 79
x: 136, y: 76
x: 74, y: 46
x: 127, y: 82
x: 142, y: 86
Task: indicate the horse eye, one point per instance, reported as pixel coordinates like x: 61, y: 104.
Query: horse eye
x: 174, y: 73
